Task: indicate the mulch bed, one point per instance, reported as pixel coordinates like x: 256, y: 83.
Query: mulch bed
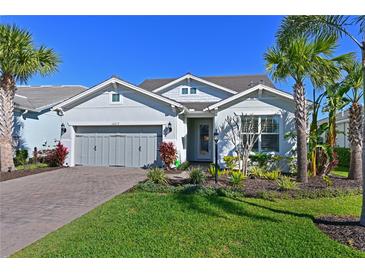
x: 4, y: 176
x: 255, y: 187
x: 346, y: 230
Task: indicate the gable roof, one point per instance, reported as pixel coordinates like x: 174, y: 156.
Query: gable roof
x: 115, y: 80
x: 236, y: 83
x: 189, y: 76
x: 248, y: 91
x: 38, y: 98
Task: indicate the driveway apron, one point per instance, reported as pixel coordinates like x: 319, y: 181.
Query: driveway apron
x: 33, y: 206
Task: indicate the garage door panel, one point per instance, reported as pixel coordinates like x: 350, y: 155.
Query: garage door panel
x: 135, y: 148
x: 112, y: 150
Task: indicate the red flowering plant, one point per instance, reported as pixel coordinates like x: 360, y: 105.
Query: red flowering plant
x: 168, y: 153
x: 56, y: 157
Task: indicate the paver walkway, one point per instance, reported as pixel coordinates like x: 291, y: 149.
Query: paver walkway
x: 33, y: 206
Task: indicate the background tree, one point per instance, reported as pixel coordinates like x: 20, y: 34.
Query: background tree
x: 314, y: 132
x: 337, y: 25
x: 300, y: 58
x: 20, y: 59
x: 353, y: 81
x: 335, y: 101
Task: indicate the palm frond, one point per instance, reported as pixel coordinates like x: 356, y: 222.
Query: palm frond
x: 20, y: 58
x: 317, y: 25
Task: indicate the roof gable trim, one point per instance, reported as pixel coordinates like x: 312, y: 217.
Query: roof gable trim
x: 114, y: 80
x: 248, y: 91
x: 190, y: 76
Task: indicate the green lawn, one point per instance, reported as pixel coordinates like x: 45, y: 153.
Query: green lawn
x: 31, y: 166
x: 141, y: 224
x: 340, y: 171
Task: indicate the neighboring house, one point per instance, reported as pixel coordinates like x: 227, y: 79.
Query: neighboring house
x: 35, y: 125
x: 116, y: 123
x: 342, y: 125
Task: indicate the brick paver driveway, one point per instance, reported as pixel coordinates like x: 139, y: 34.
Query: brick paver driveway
x: 33, y: 206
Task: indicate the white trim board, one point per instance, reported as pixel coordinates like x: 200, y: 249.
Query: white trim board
x: 118, y: 123
x: 114, y: 80
x: 192, y: 77
x: 248, y: 91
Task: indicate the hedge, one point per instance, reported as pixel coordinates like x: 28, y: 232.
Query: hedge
x: 343, y: 155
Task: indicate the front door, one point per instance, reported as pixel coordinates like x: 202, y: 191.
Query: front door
x: 204, y: 141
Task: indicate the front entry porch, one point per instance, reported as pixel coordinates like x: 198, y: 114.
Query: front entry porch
x: 200, y: 140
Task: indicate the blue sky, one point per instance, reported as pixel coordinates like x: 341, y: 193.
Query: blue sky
x: 93, y: 48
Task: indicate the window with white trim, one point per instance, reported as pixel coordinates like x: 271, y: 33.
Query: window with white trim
x: 268, y: 140
x: 115, y: 98
x: 188, y: 90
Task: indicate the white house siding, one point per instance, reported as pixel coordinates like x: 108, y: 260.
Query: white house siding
x: 204, y: 93
x: 41, y: 130
x: 135, y: 109
x: 253, y: 105
x: 341, y: 139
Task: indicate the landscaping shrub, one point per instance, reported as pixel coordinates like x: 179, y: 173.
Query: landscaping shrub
x: 184, y: 166
x: 261, y: 159
x: 257, y: 172
x: 230, y: 161
x: 21, y: 157
x: 236, y: 177
x: 211, y: 170
x: 286, y: 183
x: 167, y: 153
x: 197, y: 176
x: 157, y: 176
x: 56, y: 157
x: 327, y: 180
x: 272, y: 175
x: 343, y: 156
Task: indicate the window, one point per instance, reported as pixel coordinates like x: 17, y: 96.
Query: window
x: 116, y: 98
x: 268, y: 140
x: 270, y: 133
x: 188, y: 90
x: 184, y: 90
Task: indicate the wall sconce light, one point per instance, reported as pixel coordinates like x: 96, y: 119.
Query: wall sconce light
x: 169, y: 127
x: 63, y: 129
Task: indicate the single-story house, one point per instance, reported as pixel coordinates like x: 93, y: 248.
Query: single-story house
x: 342, y: 126
x: 116, y: 123
x: 35, y: 124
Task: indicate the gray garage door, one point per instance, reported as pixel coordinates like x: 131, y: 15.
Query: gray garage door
x: 117, y: 146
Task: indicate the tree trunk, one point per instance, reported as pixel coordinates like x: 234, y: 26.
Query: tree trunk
x: 301, y: 126
x: 331, y: 138
x: 355, y: 139
x: 362, y: 218
x: 7, y: 92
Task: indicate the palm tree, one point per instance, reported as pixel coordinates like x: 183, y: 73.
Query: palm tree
x: 353, y: 82
x: 335, y: 101
x: 299, y: 59
x: 20, y: 59
x: 338, y: 25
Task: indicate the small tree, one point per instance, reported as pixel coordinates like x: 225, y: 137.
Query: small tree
x: 167, y: 153
x: 250, y: 131
x: 243, y: 132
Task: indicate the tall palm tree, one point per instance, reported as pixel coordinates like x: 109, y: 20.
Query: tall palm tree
x: 330, y: 25
x: 353, y: 82
x: 299, y: 59
x: 20, y: 59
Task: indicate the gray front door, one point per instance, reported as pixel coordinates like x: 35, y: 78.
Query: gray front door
x: 116, y: 149
x: 204, y: 141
